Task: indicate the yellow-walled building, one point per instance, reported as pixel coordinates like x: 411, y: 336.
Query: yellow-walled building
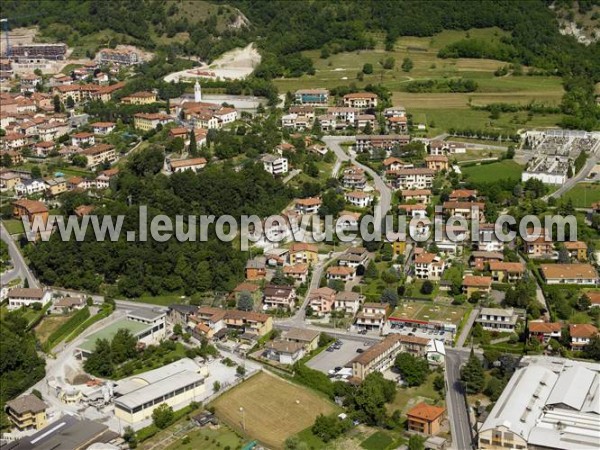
x: 27, y: 412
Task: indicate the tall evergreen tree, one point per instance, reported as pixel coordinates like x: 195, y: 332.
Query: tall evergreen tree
x: 472, y: 375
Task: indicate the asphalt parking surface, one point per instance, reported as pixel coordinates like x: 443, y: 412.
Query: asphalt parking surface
x: 326, y: 361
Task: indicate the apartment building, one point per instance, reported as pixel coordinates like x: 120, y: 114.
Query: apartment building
x: 322, y: 300
x: 275, y: 165
x: 580, y: 273
x: 359, y: 199
x: 308, y: 205
x: 418, y: 195
x: 437, y: 162
x: 467, y: 210
x: 349, y: 302
x: 27, y: 412
x: 301, y: 252
x: 497, y: 319
x: 139, y: 98
x: 372, y: 316
x: 377, y: 358
x: 99, y: 154
x: 473, y: 283
x: 506, y: 272
x: 279, y: 297
x: 149, y: 121
x: 425, y: 419
x: 429, y: 266
x: 412, y: 178
x: 361, y: 100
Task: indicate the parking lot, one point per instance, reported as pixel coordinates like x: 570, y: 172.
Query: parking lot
x: 439, y: 335
x: 326, y: 360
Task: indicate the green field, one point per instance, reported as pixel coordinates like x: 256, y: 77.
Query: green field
x: 406, y: 398
x: 208, y: 439
x: 493, y: 172
x: 583, y: 194
x: 428, y: 311
x: 439, y: 111
x: 377, y: 441
x: 274, y: 409
x: 13, y: 226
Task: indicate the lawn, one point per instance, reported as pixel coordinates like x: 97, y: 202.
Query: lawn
x: 440, y: 109
x: 415, y: 290
x: 208, y: 439
x: 274, y: 409
x: 377, y: 441
x: 49, y: 325
x: 483, y: 173
x: 406, y: 398
x: 13, y: 226
x: 583, y: 194
x: 429, y: 312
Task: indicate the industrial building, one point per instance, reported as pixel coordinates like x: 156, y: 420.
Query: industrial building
x: 550, y: 403
x: 176, y: 384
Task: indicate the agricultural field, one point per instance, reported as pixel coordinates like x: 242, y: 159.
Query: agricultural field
x: 493, y: 172
x: 583, y: 194
x: 274, y: 409
x: 429, y: 312
x: 439, y: 110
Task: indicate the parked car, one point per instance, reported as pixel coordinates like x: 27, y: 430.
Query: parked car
x: 360, y: 350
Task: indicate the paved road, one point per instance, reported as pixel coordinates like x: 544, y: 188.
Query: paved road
x: 385, y: 193
x: 467, y: 328
x: 458, y: 415
x: 20, y: 268
x: 581, y: 176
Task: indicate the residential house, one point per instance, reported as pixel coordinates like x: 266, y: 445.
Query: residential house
x: 413, y: 210
x: 275, y: 165
x: 436, y: 147
x: 498, y: 319
x: 256, y: 269
x: 149, y: 121
x: 103, y: 127
x: 309, y: 205
x: 84, y: 138
x: 8, y: 180
x: 210, y: 321
x: 425, y: 419
x: 180, y: 314
x: 13, y: 141
x: 539, y: 247
x: 18, y: 297
x: 577, y: 250
x: 322, y: 300
x: 372, y: 316
x: 455, y: 148
x: 429, y: 266
x: 581, y: 334
x: 463, y: 195
x: 358, y: 198
x: 385, y: 142
x: 56, y: 186
x: 27, y: 412
x: 29, y: 187
x: 84, y: 210
x: 348, y: 220
x: 139, y: 98
x: 361, y: 100
x: 31, y: 209
x: 544, y: 331
x: 279, y: 297
x: 473, y: 283
x: 377, y: 358
x: 104, y: 179
x: 99, y: 154
x: 284, y: 352
x: 467, y: 210
x: 16, y: 158
x: 506, y: 272
x: 395, y: 111
x: 412, y: 178
x: 480, y: 260
x: 354, y: 178
x: 181, y: 165
x: 392, y: 164
x: 582, y: 274
x: 43, y: 148
x: 309, y: 339
x: 298, y: 272
x: 437, y: 162
x: 397, y: 124
x: 354, y: 257
x: 343, y: 273
x: 349, y: 302
x: 418, y: 195
x: 487, y: 239
x: 314, y: 97
x: 365, y: 120
x: 301, y: 252
x: 67, y: 304
x: 594, y: 297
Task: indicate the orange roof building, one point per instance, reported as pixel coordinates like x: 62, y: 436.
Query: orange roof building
x: 426, y: 419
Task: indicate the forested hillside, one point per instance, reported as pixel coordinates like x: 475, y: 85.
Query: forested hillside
x: 158, y: 268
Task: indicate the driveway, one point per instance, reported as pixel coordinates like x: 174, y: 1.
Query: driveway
x: 325, y: 360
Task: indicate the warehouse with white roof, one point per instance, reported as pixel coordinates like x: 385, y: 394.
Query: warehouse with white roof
x: 553, y: 404
x: 176, y: 384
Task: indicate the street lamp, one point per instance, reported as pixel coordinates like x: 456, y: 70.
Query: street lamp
x: 243, y: 417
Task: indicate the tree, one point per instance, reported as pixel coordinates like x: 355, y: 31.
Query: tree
x: 494, y: 388
x: 371, y: 271
x: 70, y: 102
x: 336, y: 285
x: 216, y: 386
x: 439, y: 384
x: 240, y: 371
x: 56, y: 103
x: 388, y: 63
x: 123, y: 346
x: 193, y: 147
x: 100, y: 361
x: 584, y: 303
x: 592, y: 350
x: 472, y: 375
x: 177, y: 329
x: 6, y: 160
x: 36, y: 172
x: 416, y: 442
x: 427, y: 287
x: 294, y: 443
x: 367, y: 68
x: 563, y: 254
x: 390, y: 296
x: 162, y: 416
x: 130, y: 437
x: 370, y: 398
x: 329, y: 427
x: 414, y: 370
x: 245, y: 301
x: 79, y: 160
x: 407, y: 64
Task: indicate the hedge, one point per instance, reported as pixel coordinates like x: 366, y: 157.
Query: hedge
x: 67, y: 328
x: 104, y: 313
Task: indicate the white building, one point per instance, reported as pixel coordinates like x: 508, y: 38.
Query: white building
x: 176, y: 385
x: 275, y: 165
x: 498, y: 319
x: 429, y: 266
x: 19, y: 297
x: 547, y: 169
x: 415, y: 178
x: 359, y: 199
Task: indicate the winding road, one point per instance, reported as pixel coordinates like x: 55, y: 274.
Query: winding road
x: 20, y: 267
